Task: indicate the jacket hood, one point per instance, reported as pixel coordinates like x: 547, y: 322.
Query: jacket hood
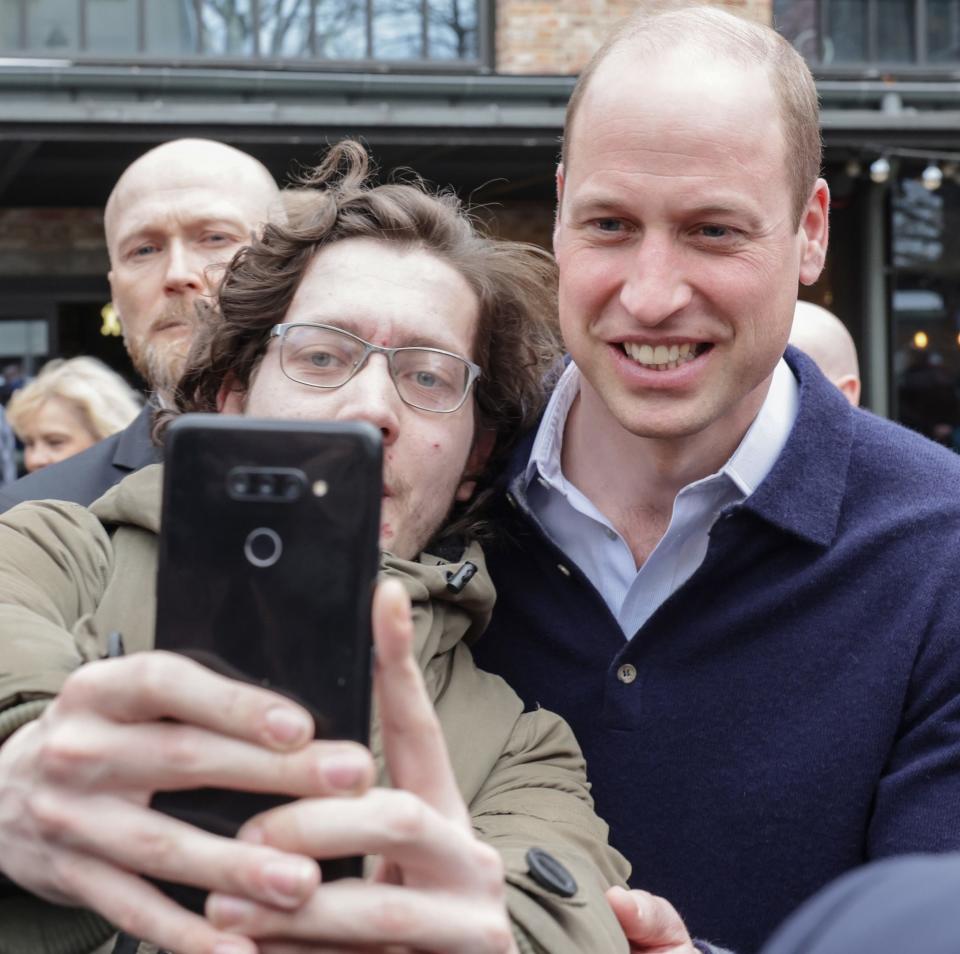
x: 135, y: 500
x: 442, y: 616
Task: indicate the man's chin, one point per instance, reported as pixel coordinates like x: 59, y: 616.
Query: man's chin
x: 160, y: 367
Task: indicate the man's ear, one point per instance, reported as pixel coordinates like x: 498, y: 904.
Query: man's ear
x: 556, y: 217
x: 231, y: 399
x: 814, y: 228
x: 113, y: 299
x: 482, y: 448
x: 849, y: 385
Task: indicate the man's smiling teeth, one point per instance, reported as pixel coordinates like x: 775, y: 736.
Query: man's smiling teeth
x: 661, y: 357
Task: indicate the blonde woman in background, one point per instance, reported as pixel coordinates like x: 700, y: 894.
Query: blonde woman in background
x: 68, y: 407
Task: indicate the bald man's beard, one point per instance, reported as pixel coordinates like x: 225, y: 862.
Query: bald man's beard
x: 159, y: 361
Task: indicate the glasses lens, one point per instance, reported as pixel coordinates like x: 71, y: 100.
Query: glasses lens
x: 322, y: 357
x: 429, y: 379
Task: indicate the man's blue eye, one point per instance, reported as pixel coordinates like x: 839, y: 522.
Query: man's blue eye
x: 426, y: 379
x: 715, y: 231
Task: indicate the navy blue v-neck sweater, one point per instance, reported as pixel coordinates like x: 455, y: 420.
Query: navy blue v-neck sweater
x: 796, y: 706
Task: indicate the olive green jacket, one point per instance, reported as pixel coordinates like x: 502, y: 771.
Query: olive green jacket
x: 69, y: 575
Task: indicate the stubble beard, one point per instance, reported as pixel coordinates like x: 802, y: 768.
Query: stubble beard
x: 161, y: 362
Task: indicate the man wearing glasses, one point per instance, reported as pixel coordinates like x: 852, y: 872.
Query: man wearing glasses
x: 383, y: 306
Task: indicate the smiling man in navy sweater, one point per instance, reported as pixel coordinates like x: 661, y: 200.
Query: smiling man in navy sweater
x: 740, y: 591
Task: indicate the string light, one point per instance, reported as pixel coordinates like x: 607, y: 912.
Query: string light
x: 932, y: 177
x: 880, y: 170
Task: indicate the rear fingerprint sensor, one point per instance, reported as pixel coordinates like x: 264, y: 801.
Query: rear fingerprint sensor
x: 263, y: 546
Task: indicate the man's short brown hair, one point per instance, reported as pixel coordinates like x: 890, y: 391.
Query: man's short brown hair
x: 517, y: 341
x: 724, y: 35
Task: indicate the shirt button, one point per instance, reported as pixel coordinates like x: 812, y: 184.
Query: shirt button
x: 627, y: 673
x: 563, y: 569
x: 550, y: 873
x: 610, y: 532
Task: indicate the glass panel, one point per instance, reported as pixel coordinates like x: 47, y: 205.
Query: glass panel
x: 21, y: 339
x: 52, y: 26
x: 918, y: 232
x: 285, y: 29
x: 112, y: 26
x: 926, y: 309
x: 171, y: 28
x: 397, y: 30
x: 227, y: 27
x: 846, y: 32
x: 341, y: 29
x: 453, y: 30
x: 9, y: 25
x: 943, y: 31
x: 798, y: 22
x: 895, y: 33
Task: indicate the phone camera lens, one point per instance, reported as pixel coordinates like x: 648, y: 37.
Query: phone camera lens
x: 239, y: 485
x: 265, y: 486
x: 291, y: 488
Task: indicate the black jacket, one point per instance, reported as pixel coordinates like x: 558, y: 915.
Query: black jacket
x: 90, y: 474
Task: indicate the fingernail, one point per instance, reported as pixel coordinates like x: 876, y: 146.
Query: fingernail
x: 345, y: 771
x: 287, y: 726
x: 226, y: 911
x: 289, y: 879
x: 231, y: 947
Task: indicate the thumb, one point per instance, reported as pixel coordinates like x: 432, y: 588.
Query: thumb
x: 650, y: 923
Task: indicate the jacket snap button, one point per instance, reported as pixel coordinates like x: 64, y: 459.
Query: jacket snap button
x: 627, y: 673
x: 563, y: 569
x: 550, y: 874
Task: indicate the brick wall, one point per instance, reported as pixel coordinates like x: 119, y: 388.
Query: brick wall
x: 559, y: 36
x: 50, y: 242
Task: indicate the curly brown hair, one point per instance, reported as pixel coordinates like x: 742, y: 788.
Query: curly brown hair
x: 517, y: 343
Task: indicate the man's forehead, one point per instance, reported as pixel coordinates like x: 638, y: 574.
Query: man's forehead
x: 672, y: 112
x: 373, y: 288
x: 187, y: 205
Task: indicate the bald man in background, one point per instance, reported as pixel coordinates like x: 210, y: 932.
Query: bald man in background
x: 824, y: 337
x: 176, y: 214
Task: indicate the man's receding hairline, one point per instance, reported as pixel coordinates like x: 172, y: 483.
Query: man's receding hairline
x: 620, y: 44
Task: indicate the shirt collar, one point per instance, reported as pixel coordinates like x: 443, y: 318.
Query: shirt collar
x: 548, y: 444
x: 747, y: 467
x: 763, y: 442
x: 804, y: 492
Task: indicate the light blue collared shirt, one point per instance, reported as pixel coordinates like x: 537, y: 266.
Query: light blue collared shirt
x: 590, y: 540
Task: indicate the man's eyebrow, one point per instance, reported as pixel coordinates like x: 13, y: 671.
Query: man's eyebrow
x: 749, y: 218
x: 412, y: 340
x: 226, y: 221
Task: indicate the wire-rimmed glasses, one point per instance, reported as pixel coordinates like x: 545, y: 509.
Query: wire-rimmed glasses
x: 324, y: 356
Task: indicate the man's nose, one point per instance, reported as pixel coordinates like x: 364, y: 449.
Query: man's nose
x: 656, y: 285
x: 184, y: 270
x: 371, y: 396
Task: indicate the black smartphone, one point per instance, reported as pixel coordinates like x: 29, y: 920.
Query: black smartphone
x: 269, y: 551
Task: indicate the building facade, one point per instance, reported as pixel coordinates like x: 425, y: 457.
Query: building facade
x: 469, y: 93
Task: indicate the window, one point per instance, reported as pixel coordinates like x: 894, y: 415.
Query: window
x: 876, y: 33
x: 303, y: 31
